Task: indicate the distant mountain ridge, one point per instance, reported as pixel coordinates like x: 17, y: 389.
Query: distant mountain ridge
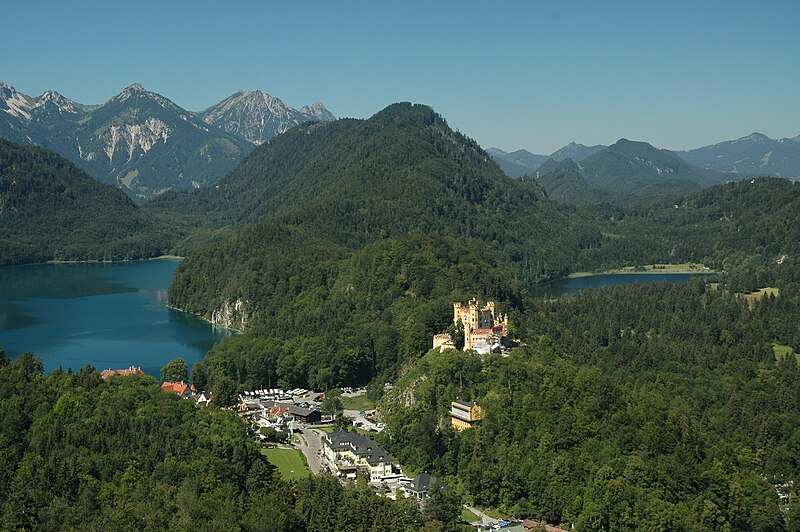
x: 523, y: 162
x: 755, y: 154
x: 143, y: 142
x: 257, y: 117
x: 625, y: 169
x: 517, y: 163
x: 575, y: 151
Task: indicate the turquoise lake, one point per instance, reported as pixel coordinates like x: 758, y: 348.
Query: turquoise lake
x: 109, y: 315
x: 561, y: 287
x: 114, y: 315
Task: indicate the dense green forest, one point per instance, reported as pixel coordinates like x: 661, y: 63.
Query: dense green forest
x: 319, y: 315
x: 653, y: 407
x: 83, y: 454
x: 401, y: 171
x: 49, y: 209
x: 743, y: 228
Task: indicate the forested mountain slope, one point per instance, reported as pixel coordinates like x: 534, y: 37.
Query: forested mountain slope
x: 743, y: 226
x: 401, y: 171
x: 641, y: 407
x: 315, y: 313
x: 49, y: 209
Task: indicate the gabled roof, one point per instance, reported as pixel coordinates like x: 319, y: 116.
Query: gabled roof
x: 179, y: 387
x: 423, y: 482
x: 291, y: 407
x: 464, y: 404
x: 359, y: 444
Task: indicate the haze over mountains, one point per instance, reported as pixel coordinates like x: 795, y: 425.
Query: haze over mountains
x: 755, y: 154
x: 143, y: 142
x: 523, y: 162
x: 625, y: 169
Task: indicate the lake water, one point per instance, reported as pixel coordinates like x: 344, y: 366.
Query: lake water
x: 110, y: 315
x: 559, y: 287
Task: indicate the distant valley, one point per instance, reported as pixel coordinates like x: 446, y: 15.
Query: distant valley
x: 143, y: 142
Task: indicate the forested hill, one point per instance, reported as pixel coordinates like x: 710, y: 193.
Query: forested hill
x: 742, y: 227
x: 49, y: 209
x: 403, y: 170
x: 318, y: 314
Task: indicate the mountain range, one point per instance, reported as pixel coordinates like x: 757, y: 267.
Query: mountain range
x: 144, y: 143
x: 625, y: 169
x: 523, y: 162
x: 755, y: 154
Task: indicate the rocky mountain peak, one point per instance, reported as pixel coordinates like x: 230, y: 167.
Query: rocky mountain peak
x: 318, y: 111
x: 137, y: 91
x: 258, y: 116
x: 13, y: 102
x: 58, y: 102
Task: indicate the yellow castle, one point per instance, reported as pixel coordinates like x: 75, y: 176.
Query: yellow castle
x: 484, y: 331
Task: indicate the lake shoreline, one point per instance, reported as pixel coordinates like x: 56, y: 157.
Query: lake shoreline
x: 203, y: 318
x: 687, y: 268
x: 95, y: 261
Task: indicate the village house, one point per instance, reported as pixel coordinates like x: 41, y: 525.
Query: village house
x: 180, y: 388
x: 297, y: 412
x: 350, y: 452
x: 202, y: 398
x: 132, y: 370
x: 464, y: 414
x: 421, y: 485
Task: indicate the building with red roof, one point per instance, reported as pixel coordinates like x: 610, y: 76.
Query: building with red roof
x: 182, y: 389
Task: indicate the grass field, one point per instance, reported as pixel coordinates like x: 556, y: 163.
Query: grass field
x: 468, y: 517
x: 782, y: 351
x: 687, y: 267
x: 752, y: 297
x: 290, y: 462
x: 359, y: 402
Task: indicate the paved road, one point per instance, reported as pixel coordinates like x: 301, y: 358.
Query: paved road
x: 311, y: 445
x: 356, y: 416
x: 483, y: 519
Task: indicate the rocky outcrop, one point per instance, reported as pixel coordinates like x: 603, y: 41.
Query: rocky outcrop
x: 231, y: 315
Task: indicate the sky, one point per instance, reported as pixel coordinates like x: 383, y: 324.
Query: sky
x: 527, y: 74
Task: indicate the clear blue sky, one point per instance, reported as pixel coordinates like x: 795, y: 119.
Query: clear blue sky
x: 526, y: 74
